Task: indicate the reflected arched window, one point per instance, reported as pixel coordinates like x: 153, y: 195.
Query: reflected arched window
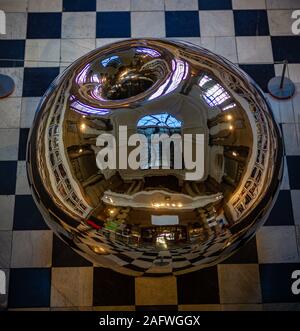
x: 159, y: 120
x: 163, y: 123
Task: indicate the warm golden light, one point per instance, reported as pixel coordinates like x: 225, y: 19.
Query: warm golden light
x: 234, y: 154
x: 124, y: 73
x: 111, y: 211
x: 230, y: 127
x: 80, y: 151
x: 82, y: 126
x: 99, y: 250
x: 229, y: 117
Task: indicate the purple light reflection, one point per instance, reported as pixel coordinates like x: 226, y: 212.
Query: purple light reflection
x: 148, y: 51
x: 179, y: 74
x: 180, y: 71
x: 81, y: 77
x: 84, y: 109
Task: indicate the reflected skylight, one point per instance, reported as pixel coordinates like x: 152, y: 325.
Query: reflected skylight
x: 111, y: 60
x: 214, y: 93
x: 161, y: 120
x: 204, y: 80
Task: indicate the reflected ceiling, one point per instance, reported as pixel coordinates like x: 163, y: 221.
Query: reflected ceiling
x: 154, y: 220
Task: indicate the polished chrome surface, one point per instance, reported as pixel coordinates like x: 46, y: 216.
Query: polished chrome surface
x: 154, y: 220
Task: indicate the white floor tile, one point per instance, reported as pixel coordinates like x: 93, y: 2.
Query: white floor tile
x: 293, y: 72
x: 72, y: 287
x: 16, y: 26
x: 277, y: 244
x: 45, y: 5
x: 42, y: 52
x: 295, y: 194
x: 280, y: 22
x: 216, y: 23
x: 28, y: 110
x: 79, y: 25
x: 285, y: 184
x: 246, y: 4
x: 7, y: 204
x: 141, y: 21
x: 31, y: 249
x: 286, y: 111
x: 247, y: 275
x: 14, y: 6
x: 9, y: 143
x: 291, y: 134
x: 72, y: 49
x: 113, y: 5
x: 282, y: 4
x: 150, y: 290
x: 254, y: 49
x: 147, y: 5
x: 274, y: 107
x: 181, y: 4
x: 10, y: 110
x: 224, y: 46
x: 22, y: 186
x: 296, y: 105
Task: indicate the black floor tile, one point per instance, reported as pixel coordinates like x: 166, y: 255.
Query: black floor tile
x: 65, y: 256
x: 286, y: 48
x: 37, y: 80
x: 27, y: 215
x: 246, y: 254
x: 113, y: 25
x: 112, y: 288
x: 214, y: 4
x: 251, y: 23
x: 23, y: 143
x: 29, y: 287
x: 8, y: 176
x: 282, y: 212
x: 182, y: 24
x: 12, y: 53
x: 200, y: 287
x: 261, y: 73
x: 44, y: 25
x: 79, y: 5
x: 293, y: 163
x: 276, y: 282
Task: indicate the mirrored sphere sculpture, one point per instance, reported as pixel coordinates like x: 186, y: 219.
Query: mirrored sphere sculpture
x: 154, y: 156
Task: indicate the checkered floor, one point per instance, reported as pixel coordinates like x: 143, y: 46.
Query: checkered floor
x: 42, y: 38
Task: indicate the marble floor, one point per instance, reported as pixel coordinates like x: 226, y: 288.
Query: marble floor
x: 42, y: 38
